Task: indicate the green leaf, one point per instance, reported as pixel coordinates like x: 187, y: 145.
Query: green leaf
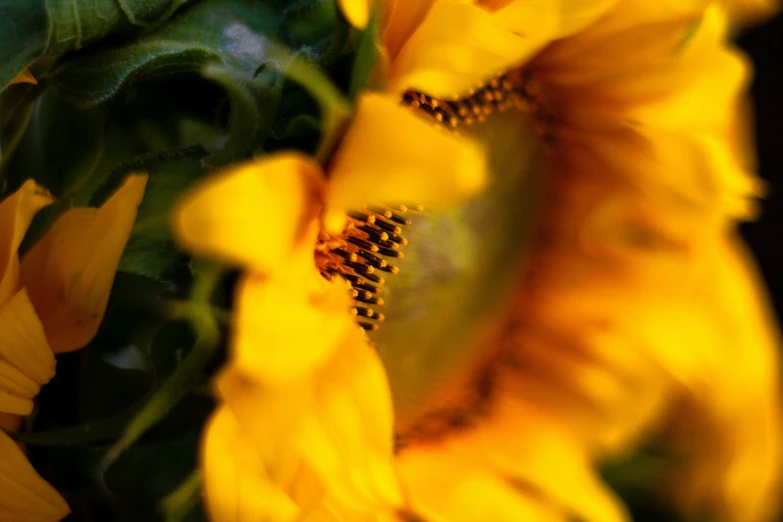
x: 24, y: 28
x: 70, y: 152
x: 33, y: 28
x: 232, y: 33
x: 151, y: 251
x: 16, y: 108
x: 234, y: 37
x: 76, y: 23
x: 246, y: 122
x: 311, y: 23
x: 65, y: 156
x: 224, y: 41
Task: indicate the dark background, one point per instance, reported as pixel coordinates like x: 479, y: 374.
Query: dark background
x: 764, y: 44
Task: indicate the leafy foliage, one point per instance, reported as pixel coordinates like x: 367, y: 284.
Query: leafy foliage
x: 33, y: 28
x: 175, y: 89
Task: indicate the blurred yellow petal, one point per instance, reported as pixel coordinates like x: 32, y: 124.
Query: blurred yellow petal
x: 402, y: 18
x: 551, y: 20
x: 331, y: 439
x: 349, y: 437
x: 456, y: 47
x: 401, y: 161
x: 253, y: 214
x: 459, y: 46
x: 509, y: 457
x: 237, y: 487
x: 751, y: 11
x: 357, y: 12
x: 451, y: 491
x: 726, y: 352
x: 24, y: 77
x: 70, y: 271
x: 24, y: 495
x: 16, y: 213
x: 270, y: 309
x: 26, y: 361
x: 631, y: 112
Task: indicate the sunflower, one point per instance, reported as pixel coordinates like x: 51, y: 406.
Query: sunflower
x: 418, y: 339
x: 51, y: 302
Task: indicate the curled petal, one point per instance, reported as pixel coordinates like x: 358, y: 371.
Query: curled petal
x: 70, y: 271
x: 254, y: 214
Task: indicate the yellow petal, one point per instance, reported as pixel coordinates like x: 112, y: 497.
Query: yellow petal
x: 254, y: 214
x: 330, y: 444
x: 271, y: 312
x: 357, y: 12
x: 26, y: 361
x: 451, y: 491
x: 349, y: 436
x: 455, y: 48
x: 751, y: 11
x: 669, y: 117
x: 24, y: 495
x: 725, y: 326
x: 16, y: 213
x: 17, y: 390
x: 460, y: 45
x: 404, y: 160
x: 693, y: 330
x: 237, y: 487
x: 69, y: 272
x: 24, y: 77
x: 522, y: 455
x: 550, y: 20
x: 402, y: 17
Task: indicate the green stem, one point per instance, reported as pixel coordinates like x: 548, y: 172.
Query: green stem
x: 187, y: 375
x: 335, y: 108
x: 180, y: 502
x: 89, y: 433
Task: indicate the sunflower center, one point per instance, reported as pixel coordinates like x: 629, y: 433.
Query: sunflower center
x: 433, y: 288
x: 515, y: 91
x: 367, y: 249
x: 502, y: 94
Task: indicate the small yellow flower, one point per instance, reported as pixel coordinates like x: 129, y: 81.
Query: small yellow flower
x: 638, y: 311
x: 51, y: 302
